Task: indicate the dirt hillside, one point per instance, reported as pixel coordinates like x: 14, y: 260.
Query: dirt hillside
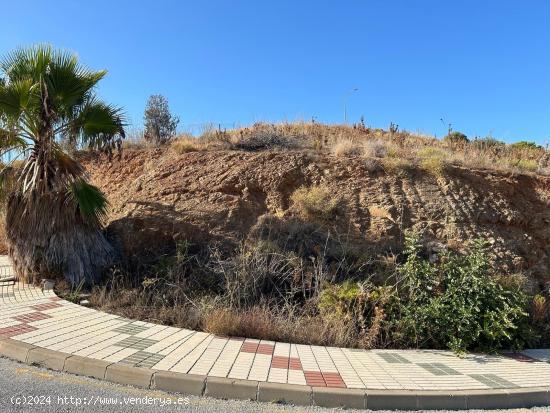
x: 158, y: 197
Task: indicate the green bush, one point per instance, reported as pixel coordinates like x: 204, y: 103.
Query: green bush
x: 456, y: 137
x: 526, y: 165
x: 488, y: 143
x: 456, y: 303
x: 522, y: 145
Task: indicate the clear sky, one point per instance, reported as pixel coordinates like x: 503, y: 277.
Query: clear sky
x: 482, y: 65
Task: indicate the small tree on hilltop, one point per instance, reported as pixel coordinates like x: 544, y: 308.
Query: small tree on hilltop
x: 456, y: 137
x: 160, y: 124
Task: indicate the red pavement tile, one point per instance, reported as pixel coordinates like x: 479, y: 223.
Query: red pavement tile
x: 257, y: 348
x: 314, y: 378
x: 28, y: 317
x: 45, y: 306
x: 333, y: 380
x: 8, y: 332
x: 265, y: 349
x: 249, y: 347
x: 294, y: 363
x: 55, y: 299
x: 279, y: 362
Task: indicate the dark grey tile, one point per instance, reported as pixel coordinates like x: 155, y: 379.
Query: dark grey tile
x: 394, y: 358
x: 136, y: 342
x: 130, y: 329
x: 143, y: 359
x: 439, y: 369
x: 493, y: 381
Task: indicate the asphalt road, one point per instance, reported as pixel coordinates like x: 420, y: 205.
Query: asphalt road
x: 25, y: 388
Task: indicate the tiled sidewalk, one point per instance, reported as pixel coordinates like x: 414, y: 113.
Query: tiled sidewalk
x: 40, y: 318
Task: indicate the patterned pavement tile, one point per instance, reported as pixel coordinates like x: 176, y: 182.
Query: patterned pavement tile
x: 29, y: 317
x: 333, y: 379
x: 130, y: 328
x: 142, y: 359
x: 265, y: 349
x: 249, y: 347
x: 393, y: 358
x: 8, y: 332
x: 135, y: 343
x: 439, y: 369
x: 46, y: 306
x: 315, y: 378
x: 493, y: 381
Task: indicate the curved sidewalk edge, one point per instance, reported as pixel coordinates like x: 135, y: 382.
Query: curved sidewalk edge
x: 225, y: 388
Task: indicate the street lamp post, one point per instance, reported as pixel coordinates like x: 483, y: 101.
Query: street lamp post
x: 346, y: 96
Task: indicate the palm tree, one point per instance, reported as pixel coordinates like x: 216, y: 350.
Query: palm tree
x: 54, y: 216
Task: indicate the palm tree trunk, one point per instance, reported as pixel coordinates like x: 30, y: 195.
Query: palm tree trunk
x: 47, y: 238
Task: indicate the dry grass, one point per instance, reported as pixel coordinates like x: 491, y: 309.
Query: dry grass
x: 375, y: 148
x: 186, y: 143
x: 259, y: 292
x: 398, y: 166
x: 315, y: 203
x: 269, y: 324
x: 539, y: 308
x: 344, y: 140
x: 346, y: 147
x: 356, y: 140
x: 379, y: 212
x: 528, y: 165
x: 433, y: 160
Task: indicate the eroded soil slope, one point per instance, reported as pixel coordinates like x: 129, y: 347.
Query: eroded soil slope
x: 158, y: 197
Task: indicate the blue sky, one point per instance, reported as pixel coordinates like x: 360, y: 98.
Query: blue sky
x: 483, y: 66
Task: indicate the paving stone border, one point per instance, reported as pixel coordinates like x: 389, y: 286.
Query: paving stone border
x: 37, y: 327
x: 274, y: 392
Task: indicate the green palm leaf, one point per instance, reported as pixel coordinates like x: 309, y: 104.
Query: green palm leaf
x: 91, y: 201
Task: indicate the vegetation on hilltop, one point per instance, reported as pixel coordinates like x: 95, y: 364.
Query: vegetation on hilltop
x: 359, y: 140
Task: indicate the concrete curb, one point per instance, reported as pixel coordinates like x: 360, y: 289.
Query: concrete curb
x: 180, y: 383
x: 222, y: 388
x: 132, y: 376
x: 274, y: 392
x: 15, y: 350
x: 44, y: 357
x: 85, y: 366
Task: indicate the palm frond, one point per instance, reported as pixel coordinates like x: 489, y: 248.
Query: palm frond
x: 91, y: 202
x: 24, y: 63
x: 100, y: 126
x: 66, y: 165
x: 68, y: 83
x: 11, y: 140
x: 17, y: 97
